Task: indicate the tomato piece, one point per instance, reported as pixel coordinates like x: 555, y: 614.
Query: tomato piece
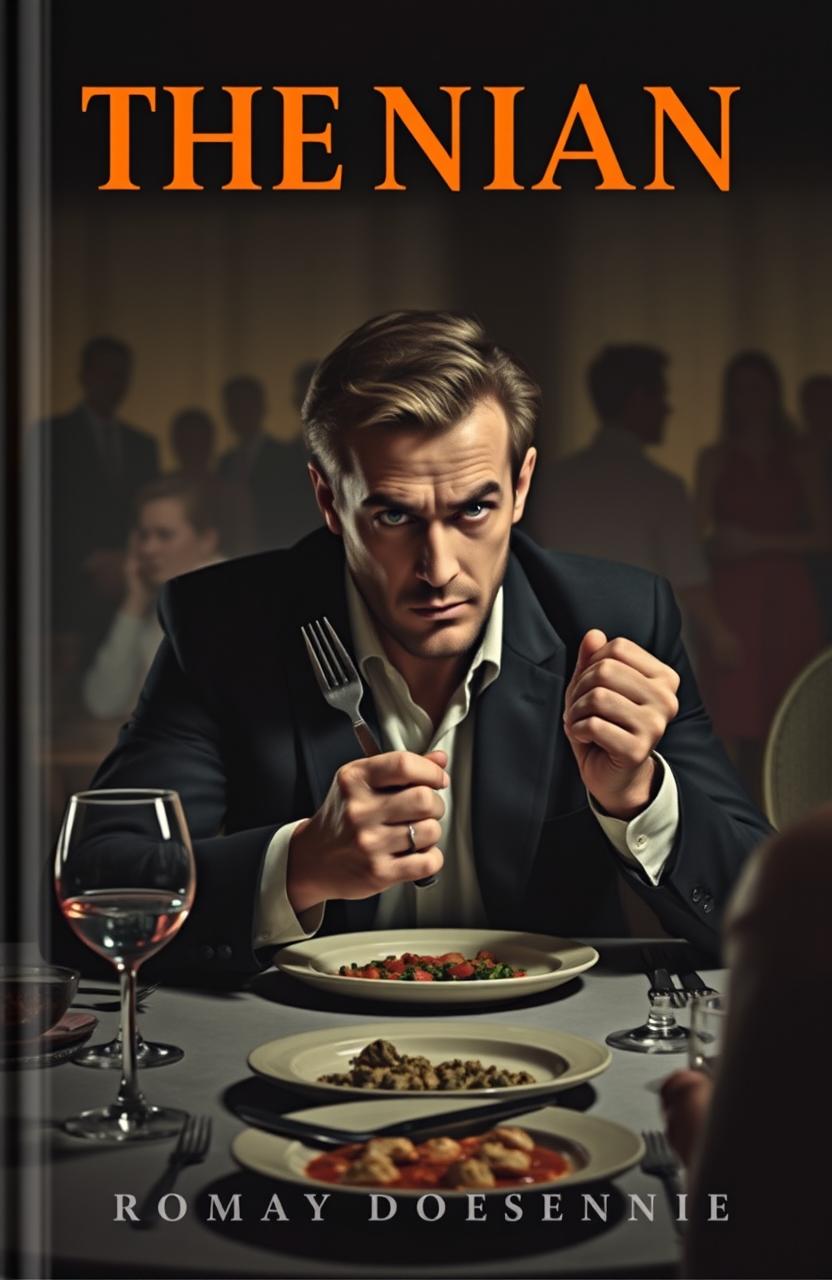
x: 395, y: 967
x: 519, y: 973
x: 486, y: 955
x: 370, y: 971
x: 451, y: 957
x: 421, y: 975
x: 464, y: 970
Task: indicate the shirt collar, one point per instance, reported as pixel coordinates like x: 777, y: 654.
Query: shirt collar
x: 369, y: 650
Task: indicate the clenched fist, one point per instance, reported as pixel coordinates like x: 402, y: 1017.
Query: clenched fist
x: 358, y: 842
x: 618, y: 704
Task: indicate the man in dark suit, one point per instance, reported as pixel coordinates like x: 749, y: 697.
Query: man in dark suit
x: 541, y: 732
x: 265, y: 477
x: 93, y: 466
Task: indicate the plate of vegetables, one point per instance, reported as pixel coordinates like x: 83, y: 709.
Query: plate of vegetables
x: 438, y: 966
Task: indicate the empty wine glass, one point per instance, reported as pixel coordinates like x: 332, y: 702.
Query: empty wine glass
x: 125, y: 881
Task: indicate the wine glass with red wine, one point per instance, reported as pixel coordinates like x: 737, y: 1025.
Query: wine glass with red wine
x: 125, y: 880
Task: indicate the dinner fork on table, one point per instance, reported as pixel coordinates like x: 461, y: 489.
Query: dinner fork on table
x: 191, y: 1147
x: 341, y: 686
x: 661, y: 1162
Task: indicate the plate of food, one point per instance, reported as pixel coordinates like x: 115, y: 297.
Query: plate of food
x: 442, y: 1058
x: 552, y: 1146
x: 436, y: 966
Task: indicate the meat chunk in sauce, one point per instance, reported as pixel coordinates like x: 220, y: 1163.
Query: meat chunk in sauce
x: 503, y: 1159
x: 469, y: 1173
x: 399, y: 1150
x: 372, y: 1169
x: 511, y: 1136
x: 441, y: 1149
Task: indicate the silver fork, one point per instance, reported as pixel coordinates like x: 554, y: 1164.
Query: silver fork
x: 661, y: 1162
x: 339, y: 681
x: 191, y: 1147
x: 341, y: 686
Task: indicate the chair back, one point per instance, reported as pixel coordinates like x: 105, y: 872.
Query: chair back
x: 797, y: 765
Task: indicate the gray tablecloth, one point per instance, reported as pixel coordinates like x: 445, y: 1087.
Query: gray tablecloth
x: 67, y: 1187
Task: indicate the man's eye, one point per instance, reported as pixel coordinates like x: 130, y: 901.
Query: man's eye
x: 475, y: 511
x: 392, y: 519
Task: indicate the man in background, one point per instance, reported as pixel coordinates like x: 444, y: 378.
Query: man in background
x: 92, y: 464
x: 612, y: 501
x: 270, y: 492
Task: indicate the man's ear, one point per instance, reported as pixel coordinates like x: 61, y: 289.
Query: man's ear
x: 524, y: 480
x: 325, y: 498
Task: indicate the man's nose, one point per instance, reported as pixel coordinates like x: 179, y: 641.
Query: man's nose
x: 438, y: 564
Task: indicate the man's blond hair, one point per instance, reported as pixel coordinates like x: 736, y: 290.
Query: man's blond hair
x: 409, y: 369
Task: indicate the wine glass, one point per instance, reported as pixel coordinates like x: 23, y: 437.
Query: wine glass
x: 125, y: 881
x: 661, y: 1033
x: 107, y: 1057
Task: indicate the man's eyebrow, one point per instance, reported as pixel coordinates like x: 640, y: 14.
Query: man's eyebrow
x: 381, y: 499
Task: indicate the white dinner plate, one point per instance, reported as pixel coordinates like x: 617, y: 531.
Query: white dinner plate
x: 556, y: 1059
x: 548, y: 962
x: 598, y: 1148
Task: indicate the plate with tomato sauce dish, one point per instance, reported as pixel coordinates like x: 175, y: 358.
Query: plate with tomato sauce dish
x: 436, y: 966
x: 545, y: 1148
x: 403, y: 1061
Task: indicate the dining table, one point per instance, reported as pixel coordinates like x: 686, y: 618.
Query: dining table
x: 66, y: 1188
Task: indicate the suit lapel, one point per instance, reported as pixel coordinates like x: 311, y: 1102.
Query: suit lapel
x: 326, y: 737
x: 518, y: 745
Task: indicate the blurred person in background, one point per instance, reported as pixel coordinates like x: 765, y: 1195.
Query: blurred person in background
x: 816, y: 418
x: 761, y: 506
x: 92, y: 466
x: 640, y: 512
x: 756, y: 1116
x: 176, y: 532
x: 193, y: 434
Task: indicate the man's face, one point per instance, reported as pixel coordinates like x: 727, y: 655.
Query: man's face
x: 105, y: 379
x: 245, y: 409
x: 426, y: 519
x: 167, y: 544
x: 650, y: 410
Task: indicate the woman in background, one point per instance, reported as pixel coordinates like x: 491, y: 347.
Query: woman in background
x: 762, y: 510
x: 176, y: 531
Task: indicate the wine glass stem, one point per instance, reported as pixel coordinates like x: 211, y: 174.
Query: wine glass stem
x: 129, y: 1094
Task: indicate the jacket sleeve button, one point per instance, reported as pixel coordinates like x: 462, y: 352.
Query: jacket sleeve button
x: 206, y: 952
x: 696, y: 894
x: 224, y: 952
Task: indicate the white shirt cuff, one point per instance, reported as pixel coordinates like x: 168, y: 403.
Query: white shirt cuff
x: 647, y: 839
x: 275, y: 921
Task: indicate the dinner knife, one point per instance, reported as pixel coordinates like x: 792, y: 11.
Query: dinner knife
x: 327, y: 1136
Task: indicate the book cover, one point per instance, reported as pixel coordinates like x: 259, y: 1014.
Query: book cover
x: 201, y: 200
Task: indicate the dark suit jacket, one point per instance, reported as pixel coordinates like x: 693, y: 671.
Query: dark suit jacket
x: 88, y: 508
x: 232, y: 718
x: 283, y: 505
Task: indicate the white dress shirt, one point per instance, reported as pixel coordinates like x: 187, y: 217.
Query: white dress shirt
x: 112, y: 684
x: 645, y: 841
